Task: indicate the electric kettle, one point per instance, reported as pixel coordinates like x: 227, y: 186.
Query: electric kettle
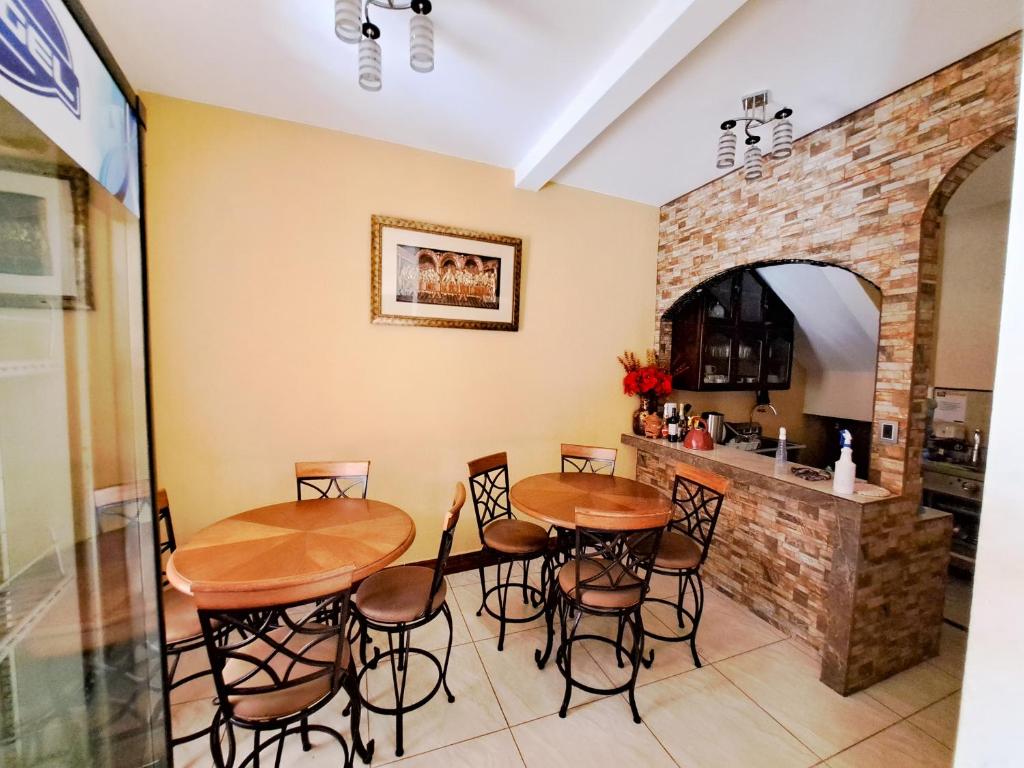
x: 698, y: 438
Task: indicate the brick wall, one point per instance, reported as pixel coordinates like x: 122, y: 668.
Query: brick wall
x: 862, y: 193
x: 861, y: 584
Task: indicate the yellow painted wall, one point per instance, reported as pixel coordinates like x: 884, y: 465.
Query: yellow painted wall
x: 263, y: 352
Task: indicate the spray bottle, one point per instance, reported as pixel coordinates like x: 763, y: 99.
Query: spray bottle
x: 846, y: 470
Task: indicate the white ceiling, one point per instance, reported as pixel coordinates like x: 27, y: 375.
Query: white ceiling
x: 529, y: 84
x: 835, y: 310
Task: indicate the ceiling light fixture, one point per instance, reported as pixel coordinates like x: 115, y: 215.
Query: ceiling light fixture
x: 755, y: 115
x: 352, y: 25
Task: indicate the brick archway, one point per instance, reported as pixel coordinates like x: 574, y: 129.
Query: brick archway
x: 928, y: 269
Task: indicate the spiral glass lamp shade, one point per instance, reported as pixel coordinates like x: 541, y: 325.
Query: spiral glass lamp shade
x: 369, y: 65
x: 753, y: 163
x: 348, y: 20
x: 782, y: 139
x: 421, y: 43
x: 726, y: 150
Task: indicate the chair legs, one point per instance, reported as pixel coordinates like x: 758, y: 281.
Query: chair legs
x: 532, y: 596
x: 690, y: 584
x: 400, y: 653
x: 571, y: 615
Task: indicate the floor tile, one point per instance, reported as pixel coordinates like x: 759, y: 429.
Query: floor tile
x: 940, y: 720
x: 186, y: 718
x: 595, y: 735
x: 525, y: 692
x: 726, y: 627
x: 495, y: 750
x: 784, y: 681
x: 463, y: 579
x: 952, y: 651
x: 669, y: 658
x: 914, y: 689
x: 901, y: 745
x: 704, y: 721
x: 439, y: 723
x: 434, y: 636
x: 485, y: 626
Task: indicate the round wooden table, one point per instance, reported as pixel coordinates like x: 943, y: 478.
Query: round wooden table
x: 290, y: 552
x: 553, y: 497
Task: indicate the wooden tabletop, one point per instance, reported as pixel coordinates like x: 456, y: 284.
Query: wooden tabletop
x: 288, y: 552
x: 553, y: 497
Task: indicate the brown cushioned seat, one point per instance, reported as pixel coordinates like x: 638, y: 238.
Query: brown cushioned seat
x: 515, y: 537
x: 627, y: 594
x: 678, y: 551
x: 398, y: 594
x: 287, y: 701
x: 181, y: 621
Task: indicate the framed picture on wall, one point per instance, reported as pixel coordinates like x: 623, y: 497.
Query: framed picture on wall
x: 443, y: 277
x: 44, y: 260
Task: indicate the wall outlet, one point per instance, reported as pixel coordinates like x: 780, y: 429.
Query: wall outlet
x: 890, y: 432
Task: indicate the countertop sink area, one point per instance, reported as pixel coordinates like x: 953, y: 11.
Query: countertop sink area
x: 763, y: 445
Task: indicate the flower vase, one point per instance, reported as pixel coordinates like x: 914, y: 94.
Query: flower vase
x: 647, y: 405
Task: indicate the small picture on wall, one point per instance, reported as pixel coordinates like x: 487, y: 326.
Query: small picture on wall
x: 43, y: 254
x: 444, y: 277
x: 448, y: 278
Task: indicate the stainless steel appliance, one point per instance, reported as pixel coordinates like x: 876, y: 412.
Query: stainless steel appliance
x: 716, y: 425
x: 956, y: 489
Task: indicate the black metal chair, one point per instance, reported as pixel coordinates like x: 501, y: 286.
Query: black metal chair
x: 608, y: 576
x: 396, y: 601
x: 123, y: 505
x: 588, y: 458
x: 279, y: 666
x: 506, y: 540
x: 332, y: 479
x: 182, y: 631
x: 697, y: 498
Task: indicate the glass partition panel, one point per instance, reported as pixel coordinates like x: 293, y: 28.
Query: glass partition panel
x: 80, y: 660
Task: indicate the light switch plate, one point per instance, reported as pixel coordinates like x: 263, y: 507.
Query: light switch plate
x: 890, y: 432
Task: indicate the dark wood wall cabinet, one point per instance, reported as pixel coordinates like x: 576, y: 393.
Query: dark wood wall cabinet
x: 734, y: 333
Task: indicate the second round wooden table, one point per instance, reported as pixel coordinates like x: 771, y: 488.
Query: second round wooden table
x: 554, y: 497
x: 291, y: 551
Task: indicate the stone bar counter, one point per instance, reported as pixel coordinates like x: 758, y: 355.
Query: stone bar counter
x: 860, y: 580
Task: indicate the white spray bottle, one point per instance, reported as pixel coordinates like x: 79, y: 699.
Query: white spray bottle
x: 846, y: 470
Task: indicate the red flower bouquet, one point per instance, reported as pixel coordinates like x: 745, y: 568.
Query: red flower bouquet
x: 649, y: 381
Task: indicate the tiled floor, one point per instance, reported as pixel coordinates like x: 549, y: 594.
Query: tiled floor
x: 755, y: 701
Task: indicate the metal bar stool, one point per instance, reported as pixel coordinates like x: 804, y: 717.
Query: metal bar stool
x: 332, y: 479
x: 588, y: 458
x: 396, y: 601
x: 608, y: 576
x: 507, y: 540
x: 697, y: 498
x: 281, y: 665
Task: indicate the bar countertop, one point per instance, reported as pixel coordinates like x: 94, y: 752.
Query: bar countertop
x: 751, y: 462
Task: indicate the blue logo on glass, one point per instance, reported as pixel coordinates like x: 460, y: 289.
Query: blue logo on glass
x: 35, y: 54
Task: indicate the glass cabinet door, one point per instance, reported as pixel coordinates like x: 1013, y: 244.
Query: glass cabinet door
x: 80, y: 655
x: 751, y: 299
x: 748, y: 358
x: 777, y: 359
x: 717, y: 358
x: 719, y: 302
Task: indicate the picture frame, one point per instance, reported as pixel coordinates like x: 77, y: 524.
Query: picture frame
x: 44, y: 253
x: 443, y: 277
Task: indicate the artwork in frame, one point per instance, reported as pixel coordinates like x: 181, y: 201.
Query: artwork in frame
x: 443, y: 277
x: 44, y: 259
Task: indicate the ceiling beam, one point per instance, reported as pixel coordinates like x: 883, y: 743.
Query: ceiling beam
x: 661, y: 40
